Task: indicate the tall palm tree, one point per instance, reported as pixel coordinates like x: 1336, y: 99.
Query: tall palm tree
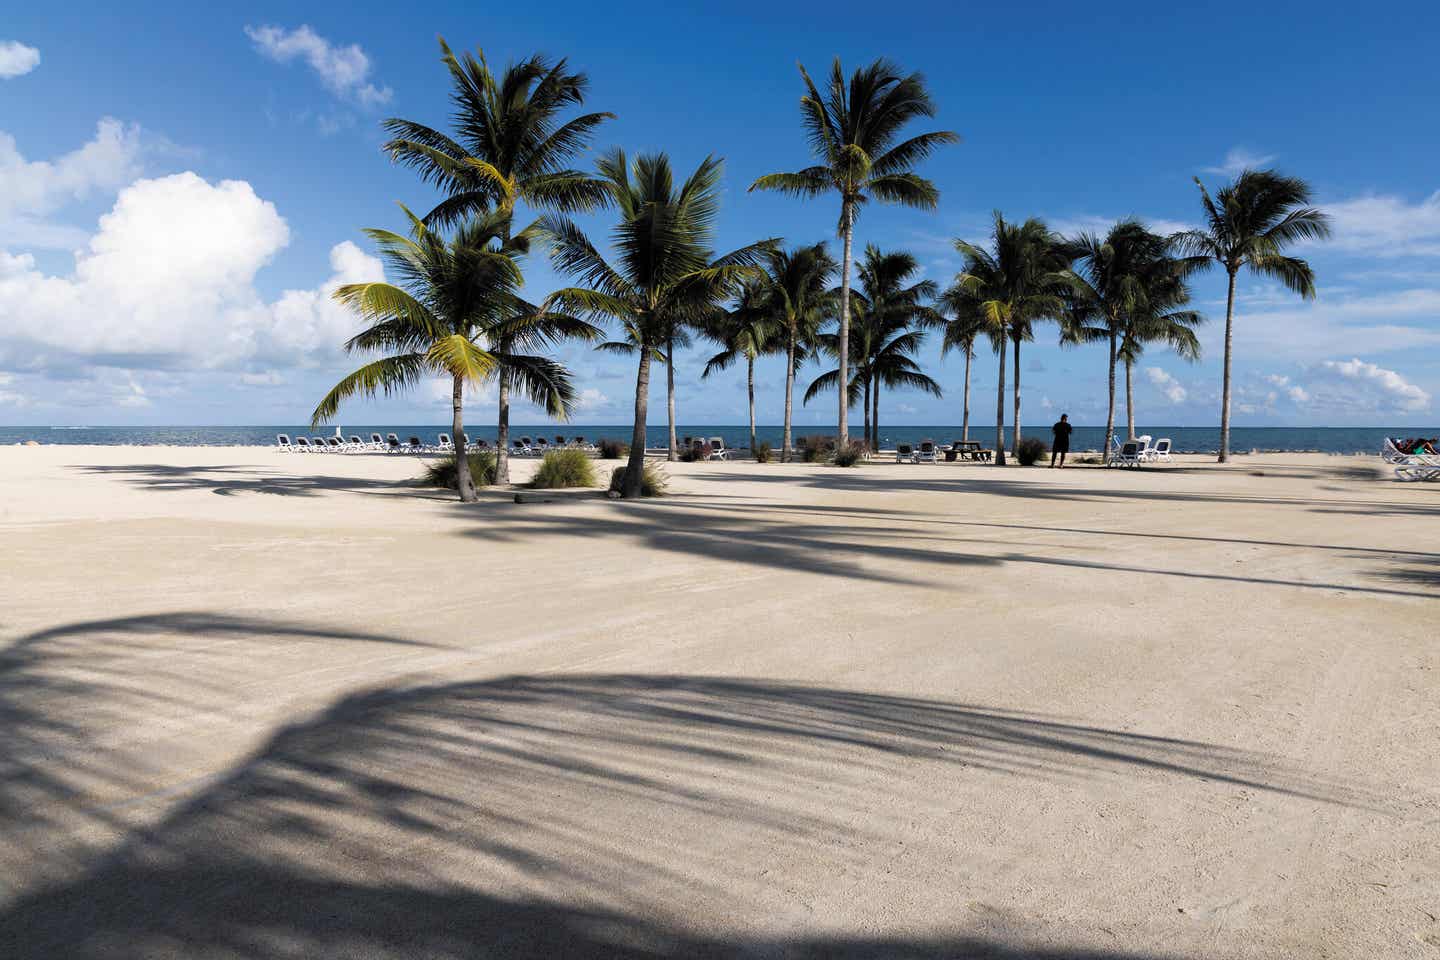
x: 797, y: 297
x: 1105, y: 290
x: 1156, y: 317
x: 852, y: 131
x: 964, y: 323
x: 1016, y: 282
x: 749, y: 331
x: 1247, y: 224
x: 665, y: 275
x: 454, y: 297
x: 887, y: 329
x: 510, y: 144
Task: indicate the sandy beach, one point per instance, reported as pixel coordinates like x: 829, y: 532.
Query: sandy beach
x: 270, y: 706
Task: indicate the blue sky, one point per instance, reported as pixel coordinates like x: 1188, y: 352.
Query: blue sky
x: 181, y: 186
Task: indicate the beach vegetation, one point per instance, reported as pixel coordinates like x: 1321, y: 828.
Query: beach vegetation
x: 564, y: 468
x: 609, y: 448
x: 763, y: 451
x: 1030, y: 450
x: 849, y: 453
x: 749, y: 331
x: 654, y: 482
x: 442, y: 472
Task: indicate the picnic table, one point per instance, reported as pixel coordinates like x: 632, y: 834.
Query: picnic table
x: 968, y: 450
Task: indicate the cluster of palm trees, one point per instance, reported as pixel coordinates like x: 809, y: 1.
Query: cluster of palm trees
x: 456, y: 309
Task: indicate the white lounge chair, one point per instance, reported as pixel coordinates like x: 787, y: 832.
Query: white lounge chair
x: 414, y: 445
x: 445, y: 444
x: 926, y: 453
x: 541, y: 446
x: 718, y: 450
x: 283, y: 444
x: 302, y: 444
x: 393, y: 444
x: 1128, y: 455
x: 521, y: 447
x: 904, y: 453
x: 1161, y: 451
x: 377, y: 442
x: 356, y: 444
x: 1411, y: 466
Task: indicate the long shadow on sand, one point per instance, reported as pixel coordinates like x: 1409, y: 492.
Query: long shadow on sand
x: 230, y: 480
x: 601, y: 815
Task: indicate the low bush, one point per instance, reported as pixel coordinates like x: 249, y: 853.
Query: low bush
x: 441, y: 473
x: 564, y: 468
x: 692, y: 453
x: 763, y: 451
x: 849, y: 454
x: 653, y: 482
x: 815, y: 448
x: 1030, y: 450
x: 612, y: 449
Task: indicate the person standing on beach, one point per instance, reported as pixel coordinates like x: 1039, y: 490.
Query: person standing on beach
x: 1061, y: 446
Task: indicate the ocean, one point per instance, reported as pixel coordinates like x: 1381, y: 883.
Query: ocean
x: 1345, y: 440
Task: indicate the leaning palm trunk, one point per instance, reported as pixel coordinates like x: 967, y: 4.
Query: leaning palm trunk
x: 1110, y: 413
x: 843, y: 432
x: 457, y: 428
x: 789, y: 400
x: 750, y: 384
x: 1129, y: 403
x: 965, y: 407
x: 1225, y: 384
x: 1017, y: 394
x: 635, y: 467
x: 670, y: 395
x: 502, y: 432
x: 1000, y: 409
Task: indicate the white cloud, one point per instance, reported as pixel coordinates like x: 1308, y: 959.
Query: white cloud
x: 1379, y: 323
x: 1238, y: 159
x: 265, y: 378
x: 16, y: 59
x: 32, y: 190
x: 1100, y: 225
x: 1379, y: 388
x: 1386, y: 226
x: 1167, y: 384
x: 344, y: 71
x: 168, y: 280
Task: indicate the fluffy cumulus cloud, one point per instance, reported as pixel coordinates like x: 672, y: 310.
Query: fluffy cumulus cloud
x: 168, y: 281
x: 1374, y: 387
x: 31, y: 191
x: 1297, y: 394
x: 1238, y: 159
x: 1166, y: 384
x: 343, y: 70
x: 16, y: 59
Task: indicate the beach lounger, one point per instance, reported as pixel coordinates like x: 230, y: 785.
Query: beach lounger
x: 444, y: 444
x: 377, y: 442
x: 336, y: 445
x: 302, y: 445
x: 283, y: 444
x: 904, y: 453
x: 319, y: 445
x: 1411, y: 467
x: 718, y: 450
x: 1128, y: 455
x: 393, y: 444
x: 1161, y: 452
x: 541, y: 446
x: 414, y: 445
x: 559, y: 442
x: 521, y: 447
x: 926, y: 453
x: 356, y: 444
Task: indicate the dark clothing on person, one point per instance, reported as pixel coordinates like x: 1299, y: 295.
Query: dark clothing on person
x: 1062, y: 437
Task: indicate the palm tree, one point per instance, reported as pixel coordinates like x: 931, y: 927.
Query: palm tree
x: 1247, y: 224
x: 1105, y: 290
x: 1155, y: 317
x: 665, y: 276
x: 797, y: 297
x: 510, y: 144
x: 749, y: 330
x: 964, y: 325
x: 1015, y: 283
x: 852, y: 131
x: 888, y: 330
x: 454, y: 297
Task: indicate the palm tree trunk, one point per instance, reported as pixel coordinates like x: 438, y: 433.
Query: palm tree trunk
x: 670, y: 393
x: 502, y: 433
x: 1017, y: 393
x: 867, y: 415
x: 750, y: 383
x: 1225, y: 380
x: 843, y: 432
x: 635, y: 468
x: 875, y: 420
x: 1000, y: 408
x: 789, y: 399
x: 1110, y: 413
x: 965, y: 409
x: 465, y: 482
x: 1129, y: 402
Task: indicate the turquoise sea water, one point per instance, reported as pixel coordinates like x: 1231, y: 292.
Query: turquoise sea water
x: 1186, y: 439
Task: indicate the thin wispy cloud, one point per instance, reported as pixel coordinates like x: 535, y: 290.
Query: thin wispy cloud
x: 343, y: 70
x: 16, y: 59
x: 1238, y: 159
x: 1387, y: 225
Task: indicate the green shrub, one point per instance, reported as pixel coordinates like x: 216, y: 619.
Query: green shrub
x: 815, y: 448
x: 441, y: 473
x: 692, y: 453
x: 612, y: 449
x: 653, y: 482
x: 1030, y: 450
x: 849, y: 454
x: 762, y: 451
x: 564, y: 468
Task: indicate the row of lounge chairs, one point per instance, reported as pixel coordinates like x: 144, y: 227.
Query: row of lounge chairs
x: 1140, y: 451
x: 928, y: 452
x: 1411, y: 466
x: 391, y: 443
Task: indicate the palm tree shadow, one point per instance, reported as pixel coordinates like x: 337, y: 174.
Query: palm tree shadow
x: 582, y: 815
x: 230, y: 480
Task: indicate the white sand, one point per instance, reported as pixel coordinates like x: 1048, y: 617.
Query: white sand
x: 258, y: 705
